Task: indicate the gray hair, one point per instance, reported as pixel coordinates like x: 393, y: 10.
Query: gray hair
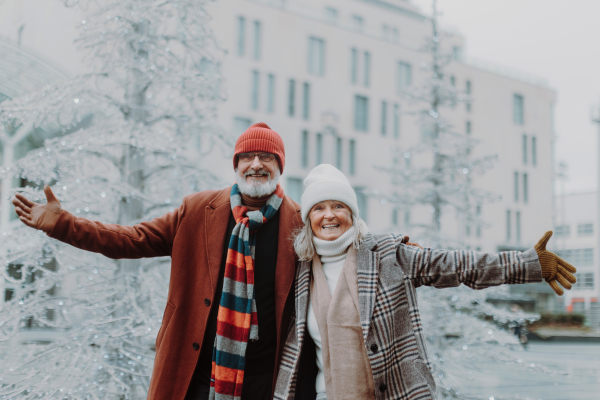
x: 303, y: 238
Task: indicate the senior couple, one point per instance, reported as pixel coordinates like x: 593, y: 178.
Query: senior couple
x: 270, y: 300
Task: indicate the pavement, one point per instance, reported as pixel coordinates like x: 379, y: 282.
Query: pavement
x: 576, y: 376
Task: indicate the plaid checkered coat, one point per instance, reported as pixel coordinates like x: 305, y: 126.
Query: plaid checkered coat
x: 388, y: 273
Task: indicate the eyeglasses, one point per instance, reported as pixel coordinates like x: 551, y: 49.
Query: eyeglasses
x: 264, y: 157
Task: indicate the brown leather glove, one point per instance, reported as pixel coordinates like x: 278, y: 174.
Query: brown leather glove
x: 405, y: 241
x: 554, y: 268
x: 38, y: 216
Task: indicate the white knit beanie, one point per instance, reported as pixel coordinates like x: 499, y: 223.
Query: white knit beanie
x: 325, y: 182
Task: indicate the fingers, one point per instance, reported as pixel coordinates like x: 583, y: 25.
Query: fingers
x: 24, y: 200
x: 415, y: 245
x: 19, y: 204
x: 568, y: 267
x: 22, y: 213
x: 566, y: 275
x: 541, y: 244
x: 27, y: 221
x: 556, y: 288
x: 50, y: 197
x: 561, y: 279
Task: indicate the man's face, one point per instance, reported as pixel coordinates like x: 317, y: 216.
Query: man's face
x: 256, y: 168
x: 258, y: 174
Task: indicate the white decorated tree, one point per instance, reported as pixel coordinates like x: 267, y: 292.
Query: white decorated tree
x: 135, y: 128
x: 464, y: 331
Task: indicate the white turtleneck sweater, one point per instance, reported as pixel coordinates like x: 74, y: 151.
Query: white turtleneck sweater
x: 333, y: 256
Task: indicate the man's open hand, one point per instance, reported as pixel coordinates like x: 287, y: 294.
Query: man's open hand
x: 38, y: 216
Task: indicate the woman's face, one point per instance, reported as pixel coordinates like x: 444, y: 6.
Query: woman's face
x: 329, y: 219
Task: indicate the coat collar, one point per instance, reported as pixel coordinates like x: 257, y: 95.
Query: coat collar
x: 367, y: 268
x: 217, y: 219
x: 289, y: 220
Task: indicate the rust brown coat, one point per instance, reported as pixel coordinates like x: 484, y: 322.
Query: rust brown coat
x: 194, y: 236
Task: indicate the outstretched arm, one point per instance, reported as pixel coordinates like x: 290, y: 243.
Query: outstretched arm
x: 148, y: 239
x: 444, y: 268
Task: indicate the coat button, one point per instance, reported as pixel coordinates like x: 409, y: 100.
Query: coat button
x: 382, y: 387
x: 207, y: 302
x: 374, y: 348
x: 196, y: 346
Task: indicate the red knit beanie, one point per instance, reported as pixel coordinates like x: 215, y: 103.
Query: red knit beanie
x: 259, y: 137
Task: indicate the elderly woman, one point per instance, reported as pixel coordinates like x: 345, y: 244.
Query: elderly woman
x: 357, y: 332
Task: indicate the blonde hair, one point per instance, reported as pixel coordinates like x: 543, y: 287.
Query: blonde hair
x: 303, y: 238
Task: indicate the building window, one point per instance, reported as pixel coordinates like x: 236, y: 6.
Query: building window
x: 384, y: 118
x: 524, y: 149
x: 271, y: 93
x: 508, y: 220
x: 585, y: 229
x: 562, y: 230
x: 578, y: 257
x: 294, y: 189
x: 354, y: 66
x: 406, y: 218
x: 468, y: 229
x: 338, y: 153
x: 525, y: 188
x: 241, y: 37
x: 358, y: 22
x: 291, y: 97
x: 518, y: 117
x: 361, y: 113
x: 396, y: 121
x: 319, y: 149
x: 331, y: 14
x: 306, y: 101
x: 362, y: 201
x: 453, y: 81
x: 352, y: 157
x: 367, y: 71
x: 468, y: 91
x: 468, y: 127
x: 584, y: 281
x: 316, y: 56
x: 240, y: 125
x: 305, y: 148
x: 395, y: 217
x: 533, y: 151
x: 257, y: 39
x: 516, y: 186
x: 255, y: 90
x: 518, y: 225
x: 403, y: 76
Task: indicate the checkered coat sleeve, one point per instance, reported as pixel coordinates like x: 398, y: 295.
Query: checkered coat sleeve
x: 388, y: 273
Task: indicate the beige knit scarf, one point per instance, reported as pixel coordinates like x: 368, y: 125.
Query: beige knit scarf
x: 347, y: 369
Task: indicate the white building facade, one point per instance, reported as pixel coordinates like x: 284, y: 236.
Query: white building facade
x: 577, y: 242
x: 327, y: 75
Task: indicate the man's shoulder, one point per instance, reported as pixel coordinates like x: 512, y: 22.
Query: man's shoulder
x: 205, y: 198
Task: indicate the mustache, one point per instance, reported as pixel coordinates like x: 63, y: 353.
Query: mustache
x: 256, y: 172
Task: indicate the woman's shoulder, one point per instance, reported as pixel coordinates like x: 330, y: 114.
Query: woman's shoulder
x: 382, y: 242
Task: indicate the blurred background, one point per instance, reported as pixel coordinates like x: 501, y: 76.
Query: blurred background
x: 342, y: 82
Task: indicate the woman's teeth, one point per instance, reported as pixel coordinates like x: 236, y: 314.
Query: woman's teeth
x: 330, y: 226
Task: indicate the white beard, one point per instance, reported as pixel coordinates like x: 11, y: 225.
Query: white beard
x: 257, y: 189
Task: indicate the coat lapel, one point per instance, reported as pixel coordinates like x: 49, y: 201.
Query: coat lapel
x: 303, y: 282
x: 217, y: 219
x: 367, y: 262
x: 289, y: 220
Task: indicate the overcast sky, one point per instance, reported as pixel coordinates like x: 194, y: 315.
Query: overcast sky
x: 555, y: 39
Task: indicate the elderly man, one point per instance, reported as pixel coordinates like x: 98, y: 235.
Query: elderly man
x: 230, y: 294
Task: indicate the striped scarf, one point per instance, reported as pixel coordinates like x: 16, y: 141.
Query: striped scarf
x: 237, y: 321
